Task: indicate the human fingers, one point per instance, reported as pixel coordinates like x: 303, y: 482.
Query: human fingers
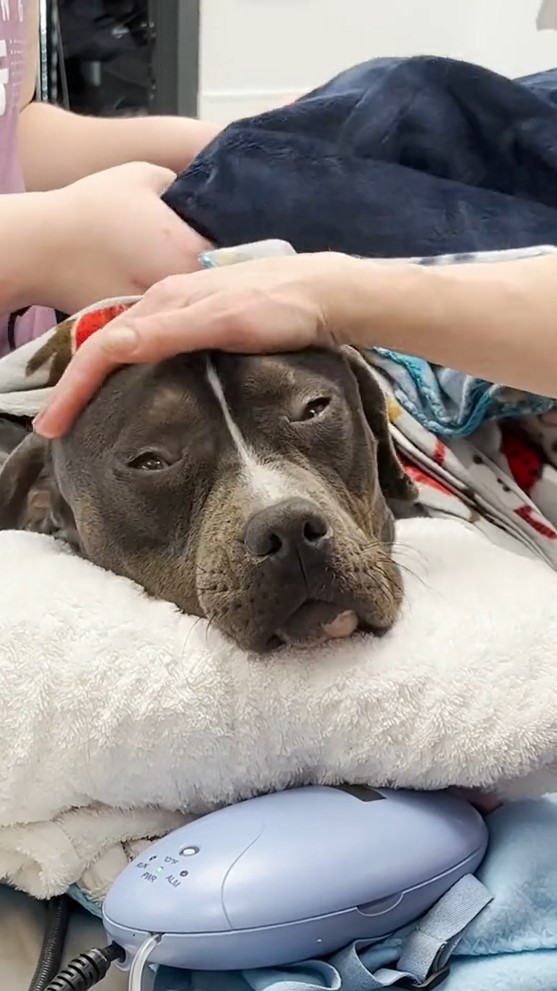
x: 124, y: 340
x: 222, y: 322
x: 255, y: 307
x: 84, y: 375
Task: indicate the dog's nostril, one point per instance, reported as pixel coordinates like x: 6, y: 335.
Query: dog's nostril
x: 284, y: 528
x: 271, y: 544
x: 315, y: 529
x: 262, y: 542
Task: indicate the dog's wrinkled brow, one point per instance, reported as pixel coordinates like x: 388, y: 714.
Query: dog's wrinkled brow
x: 170, y: 401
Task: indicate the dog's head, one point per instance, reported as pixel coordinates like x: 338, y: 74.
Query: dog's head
x: 253, y: 491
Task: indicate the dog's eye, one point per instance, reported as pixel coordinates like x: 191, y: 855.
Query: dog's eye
x: 315, y: 408
x: 148, y: 461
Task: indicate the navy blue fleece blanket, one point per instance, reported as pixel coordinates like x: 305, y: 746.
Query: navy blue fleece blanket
x: 394, y: 157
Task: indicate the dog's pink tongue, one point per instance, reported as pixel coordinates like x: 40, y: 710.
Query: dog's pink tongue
x: 342, y: 625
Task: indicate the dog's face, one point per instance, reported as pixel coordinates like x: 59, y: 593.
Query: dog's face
x: 249, y: 490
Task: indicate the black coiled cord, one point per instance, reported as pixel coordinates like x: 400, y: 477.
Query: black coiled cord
x: 58, y: 916
x: 86, y: 970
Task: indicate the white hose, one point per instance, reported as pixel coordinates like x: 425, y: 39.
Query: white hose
x: 139, y: 962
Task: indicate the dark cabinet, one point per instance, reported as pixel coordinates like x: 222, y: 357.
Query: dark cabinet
x: 113, y: 57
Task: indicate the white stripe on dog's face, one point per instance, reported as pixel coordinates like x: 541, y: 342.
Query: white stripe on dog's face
x: 266, y: 482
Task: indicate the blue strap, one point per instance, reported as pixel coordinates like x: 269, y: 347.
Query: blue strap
x: 424, y: 956
x: 422, y: 962
x: 439, y: 933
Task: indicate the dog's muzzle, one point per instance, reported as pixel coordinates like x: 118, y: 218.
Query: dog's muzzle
x: 291, y: 541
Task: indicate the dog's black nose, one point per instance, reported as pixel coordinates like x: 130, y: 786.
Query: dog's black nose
x: 288, y: 526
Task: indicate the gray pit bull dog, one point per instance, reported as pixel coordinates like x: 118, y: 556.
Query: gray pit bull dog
x: 255, y: 491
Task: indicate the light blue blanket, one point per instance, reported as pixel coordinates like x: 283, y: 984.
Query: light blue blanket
x: 447, y: 402
x: 512, y: 946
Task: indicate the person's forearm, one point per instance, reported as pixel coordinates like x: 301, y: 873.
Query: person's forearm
x: 27, y: 247
x: 496, y: 320
x: 57, y: 147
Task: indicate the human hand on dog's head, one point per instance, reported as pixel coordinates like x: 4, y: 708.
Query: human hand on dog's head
x: 266, y: 305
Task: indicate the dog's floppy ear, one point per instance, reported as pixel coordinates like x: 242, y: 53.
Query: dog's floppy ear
x: 19, y: 473
x: 393, y: 480
x: 29, y: 496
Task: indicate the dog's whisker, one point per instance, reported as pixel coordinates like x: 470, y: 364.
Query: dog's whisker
x: 215, y: 591
x: 382, y: 583
x: 382, y: 562
x: 191, y: 631
x: 404, y: 546
x: 204, y: 571
x: 408, y: 570
x: 416, y: 577
x: 416, y: 565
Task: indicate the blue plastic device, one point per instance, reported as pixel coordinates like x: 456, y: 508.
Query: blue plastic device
x: 293, y: 875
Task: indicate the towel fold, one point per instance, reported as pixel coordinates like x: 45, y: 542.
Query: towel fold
x: 90, y: 845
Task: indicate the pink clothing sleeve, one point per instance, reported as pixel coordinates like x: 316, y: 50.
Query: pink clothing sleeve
x: 15, y: 329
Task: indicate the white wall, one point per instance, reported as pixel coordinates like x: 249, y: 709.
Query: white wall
x: 257, y: 52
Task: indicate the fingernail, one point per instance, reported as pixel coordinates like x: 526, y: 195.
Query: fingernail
x: 120, y: 339
x: 44, y: 415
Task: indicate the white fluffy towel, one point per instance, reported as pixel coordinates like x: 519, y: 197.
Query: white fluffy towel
x: 113, y: 702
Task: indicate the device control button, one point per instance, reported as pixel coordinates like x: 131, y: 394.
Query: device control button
x: 189, y: 851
